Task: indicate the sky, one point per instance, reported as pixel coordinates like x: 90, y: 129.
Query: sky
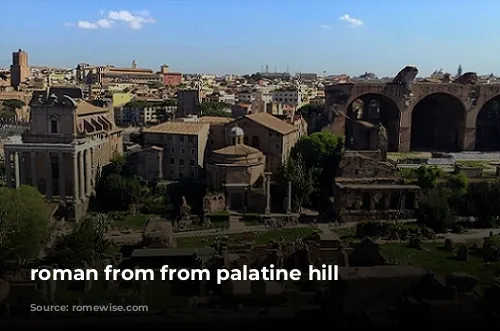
x: 242, y: 36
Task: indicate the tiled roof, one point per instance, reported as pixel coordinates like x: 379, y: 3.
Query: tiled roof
x: 272, y: 123
x: 215, y: 119
x: 177, y: 128
x: 237, y: 150
x: 86, y: 108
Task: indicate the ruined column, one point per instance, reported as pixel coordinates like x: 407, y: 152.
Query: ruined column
x: 49, y: 180
x: 81, y: 172
x: 76, y: 192
x: 34, y: 181
x: 289, y: 206
x: 62, y: 177
x: 17, y: 176
x: 8, y: 168
x: 23, y: 174
x: 88, y: 172
x: 268, y: 195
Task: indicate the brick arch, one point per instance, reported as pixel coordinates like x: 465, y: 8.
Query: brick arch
x: 389, y: 115
x: 438, y: 122
x: 486, y: 121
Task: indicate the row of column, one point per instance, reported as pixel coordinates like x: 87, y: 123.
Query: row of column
x: 84, y: 172
x: 268, y: 196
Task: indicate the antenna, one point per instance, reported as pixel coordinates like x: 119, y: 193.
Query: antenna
x: 267, y: 68
x: 287, y: 69
x: 275, y: 70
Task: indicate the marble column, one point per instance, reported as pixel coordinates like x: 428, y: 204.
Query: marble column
x: 34, y: 180
x: 81, y: 172
x: 76, y: 192
x: 88, y: 172
x: 8, y: 168
x: 268, y: 195
x: 48, y: 176
x: 17, y: 177
x: 62, y: 177
x: 289, y: 202
x: 23, y: 173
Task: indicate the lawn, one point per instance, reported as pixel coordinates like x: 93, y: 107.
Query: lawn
x: 125, y: 221
x: 260, y: 238
x: 440, y: 261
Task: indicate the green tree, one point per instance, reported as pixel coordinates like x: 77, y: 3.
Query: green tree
x: 24, y: 224
x: 427, y: 177
x: 310, y: 110
x: 86, y: 243
x: 483, y: 201
x: 434, y: 210
x: 302, y: 179
x: 214, y: 109
x: 457, y: 185
x: 322, y: 151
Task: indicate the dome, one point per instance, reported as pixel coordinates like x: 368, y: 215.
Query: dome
x: 236, y: 131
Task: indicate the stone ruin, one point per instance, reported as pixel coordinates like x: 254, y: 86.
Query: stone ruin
x: 158, y: 233
x: 367, y: 254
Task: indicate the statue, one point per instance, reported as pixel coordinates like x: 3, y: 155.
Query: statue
x: 185, y: 211
x: 383, y: 141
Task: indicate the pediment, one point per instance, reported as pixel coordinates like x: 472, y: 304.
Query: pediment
x: 53, y: 117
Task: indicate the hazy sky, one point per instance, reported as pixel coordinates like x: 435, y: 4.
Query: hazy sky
x: 240, y: 36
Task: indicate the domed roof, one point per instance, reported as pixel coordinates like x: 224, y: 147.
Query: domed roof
x: 236, y: 131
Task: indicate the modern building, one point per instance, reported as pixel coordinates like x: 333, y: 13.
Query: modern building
x: 184, y: 146
x: 62, y: 153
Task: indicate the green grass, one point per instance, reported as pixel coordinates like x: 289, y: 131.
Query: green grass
x: 125, y: 221
x: 345, y: 233
x: 260, y: 238
x: 440, y: 261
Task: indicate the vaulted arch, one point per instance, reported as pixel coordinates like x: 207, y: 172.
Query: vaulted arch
x: 488, y: 126
x: 438, y: 123
x: 370, y: 109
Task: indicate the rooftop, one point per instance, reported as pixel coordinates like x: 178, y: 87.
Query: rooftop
x: 215, y: 119
x: 187, y: 128
x: 237, y: 150
x: 272, y: 123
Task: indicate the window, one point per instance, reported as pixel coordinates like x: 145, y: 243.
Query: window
x: 54, y: 126
x: 181, y: 139
x: 191, y: 139
x: 172, y: 150
x: 193, y: 151
x: 192, y: 174
x: 172, y: 161
x: 183, y: 151
x: 270, y: 133
x: 181, y: 162
x: 192, y: 162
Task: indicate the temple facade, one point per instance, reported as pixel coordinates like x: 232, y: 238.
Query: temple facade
x: 63, y: 151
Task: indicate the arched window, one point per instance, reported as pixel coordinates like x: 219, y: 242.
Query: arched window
x: 255, y: 141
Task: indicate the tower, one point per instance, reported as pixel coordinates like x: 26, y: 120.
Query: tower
x: 459, y: 70
x: 19, y: 70
x: 134, y: 65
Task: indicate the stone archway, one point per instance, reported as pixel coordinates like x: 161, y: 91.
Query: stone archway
x: 488, y: 126
x: 438, y: 123
x: 372, y: 108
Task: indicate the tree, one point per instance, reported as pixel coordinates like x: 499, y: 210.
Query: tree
x: 434, y: 211
x: 427, y: 177
x: 24, y: 224
x: 302, y: 179
x: 86, y: 243
x: 310, y: 110
x: 322, y: 151
x: 214, y: 109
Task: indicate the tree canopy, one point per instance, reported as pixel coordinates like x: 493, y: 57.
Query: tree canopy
x: 13, y: 104
x: 86, y: 243
x: 321, y: 150
x: 302, y: 179
x: 24, y: 225
x: 214, y: 109
x: 310, y: 109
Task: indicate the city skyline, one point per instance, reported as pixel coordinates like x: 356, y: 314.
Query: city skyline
x: 229, y: 37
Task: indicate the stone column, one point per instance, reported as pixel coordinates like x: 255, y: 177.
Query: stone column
x: 88, y: 172
x: 387, y: 201
x: 23, y: 174
x: 17, y: 177
x: 289, y: 202
x: 76, y: 192
x: 81, y: 172
x: 34, y: 181
x: 8, y: 168
x: 268, y: 195
x: 48, y: 176
x: 62, y: 177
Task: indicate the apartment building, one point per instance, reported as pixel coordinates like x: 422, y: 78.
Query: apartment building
x: 184, y: 147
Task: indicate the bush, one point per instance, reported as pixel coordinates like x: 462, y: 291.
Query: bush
x: 221, y: 216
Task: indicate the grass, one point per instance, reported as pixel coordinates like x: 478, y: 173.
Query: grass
x: 252, y: 223
x: 260, y: 238
x: 440, y: 261
x: 125, y: 221
x: 346, y: 233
